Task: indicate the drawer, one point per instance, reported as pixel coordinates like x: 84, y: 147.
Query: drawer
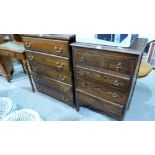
x: 111, y: 61
x: 99, y: 104
x: 101, y: 91
x: 55, y: 47
x: 103, y: 78
x: 54, y: 88
x: 51, y: 72
x: 59, y: 63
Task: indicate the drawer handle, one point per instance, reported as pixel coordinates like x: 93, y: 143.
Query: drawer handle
x: 36, y: 79
x: 116, y: 83
x: 34, y: 68
x: 82, y: 74
x: 30, y: 57
x: 84, y: 85
x: 58, y: 50
x: 62, y: 78
x: 115, y: 95
x: 60, y: 66
x: 63, y: 90
x: 119, y: 66
x: 28, y: 45
x: 82, y: 59
x: 39, y: 88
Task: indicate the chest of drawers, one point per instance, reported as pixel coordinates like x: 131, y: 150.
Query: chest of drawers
x: 50, y: 60
x: 105, y: 76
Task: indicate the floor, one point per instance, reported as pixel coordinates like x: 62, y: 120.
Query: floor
x: 19, y: 91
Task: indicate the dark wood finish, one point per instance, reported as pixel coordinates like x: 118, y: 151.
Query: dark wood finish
x: 51, y: 72
x: 105, y: 77
x: 109, y: 79
x: 50, y: 60
x: 57, y: 62
x: 55, y: 47
x: 51, y: 87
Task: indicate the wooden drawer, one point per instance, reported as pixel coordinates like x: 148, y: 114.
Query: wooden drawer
x: 51, y: 72
x: 99, y: 104
x: 111, y: 61
x: 59, y: 63
x: 103, y: 78
x: 54, y: 88
x: 50, y: 46
x: 101, y: 91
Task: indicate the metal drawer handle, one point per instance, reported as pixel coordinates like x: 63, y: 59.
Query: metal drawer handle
x: 116, y: 83
x: 28, y: 45
x: 115, y: 95
x: 62, y: 78
x: 119, y: 66
x: 30, y: 57
x: 36, y: 79
x: 63, y: 90
x: 82, y: 74
x: 34, y: 68
x: 82, y: 59
x: 60, y: 66
x: 58, y: 50
x: 84, y: 85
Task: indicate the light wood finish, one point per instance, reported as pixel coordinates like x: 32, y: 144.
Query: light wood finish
x: 105, y: 77
x: 16, y: 50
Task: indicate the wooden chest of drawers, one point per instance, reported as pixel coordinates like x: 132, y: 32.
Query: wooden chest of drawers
x: 50, y: 59
x: 105, y: 76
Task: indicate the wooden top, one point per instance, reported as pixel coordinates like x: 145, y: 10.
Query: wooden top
x: 52, y: 36
x: 137, y: 47
x: 13, y: 47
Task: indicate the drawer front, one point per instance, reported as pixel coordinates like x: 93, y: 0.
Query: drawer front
x: 102, y: 78
x: 51, y: 72
x: 120, y: 63
x: 101, y: 91
x: 54, y: 88
x: 59, y: 63
x: 55, y: 47
x: 99, y: 104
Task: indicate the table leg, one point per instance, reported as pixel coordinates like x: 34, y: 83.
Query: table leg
x: 28, y: 73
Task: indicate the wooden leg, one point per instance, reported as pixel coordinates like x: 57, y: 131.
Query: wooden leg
x: 28, y: 73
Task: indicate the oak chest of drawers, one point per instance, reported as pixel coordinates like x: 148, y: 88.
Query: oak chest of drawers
x: 105, y: 76
x: 50, y: 60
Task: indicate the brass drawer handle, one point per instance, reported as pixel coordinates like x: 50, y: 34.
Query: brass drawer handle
x: 84, y: 85
x: 58, y: 50
x: 30, y: 57
x: 28, y: 45
x: 115, y: 95
x: 63, y: 90
x: 59, y: 66
x: 62, y: 78
x: 116, y: 83
x: 82, y: 59
x: 34, y: 68
x: 119, y: 66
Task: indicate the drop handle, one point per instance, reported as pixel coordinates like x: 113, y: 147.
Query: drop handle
x: 84, y: 85
x: 34, y: 68
x: 62, y: 78
x: 63, y: 90
x: 58, y: 50
x: 116, y: 83
x: 82, y: 59
x: 119, y: 66
x: 28, y: 45
x: 30, y: 57
x: 115, y: 95
x: 59, y: 65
